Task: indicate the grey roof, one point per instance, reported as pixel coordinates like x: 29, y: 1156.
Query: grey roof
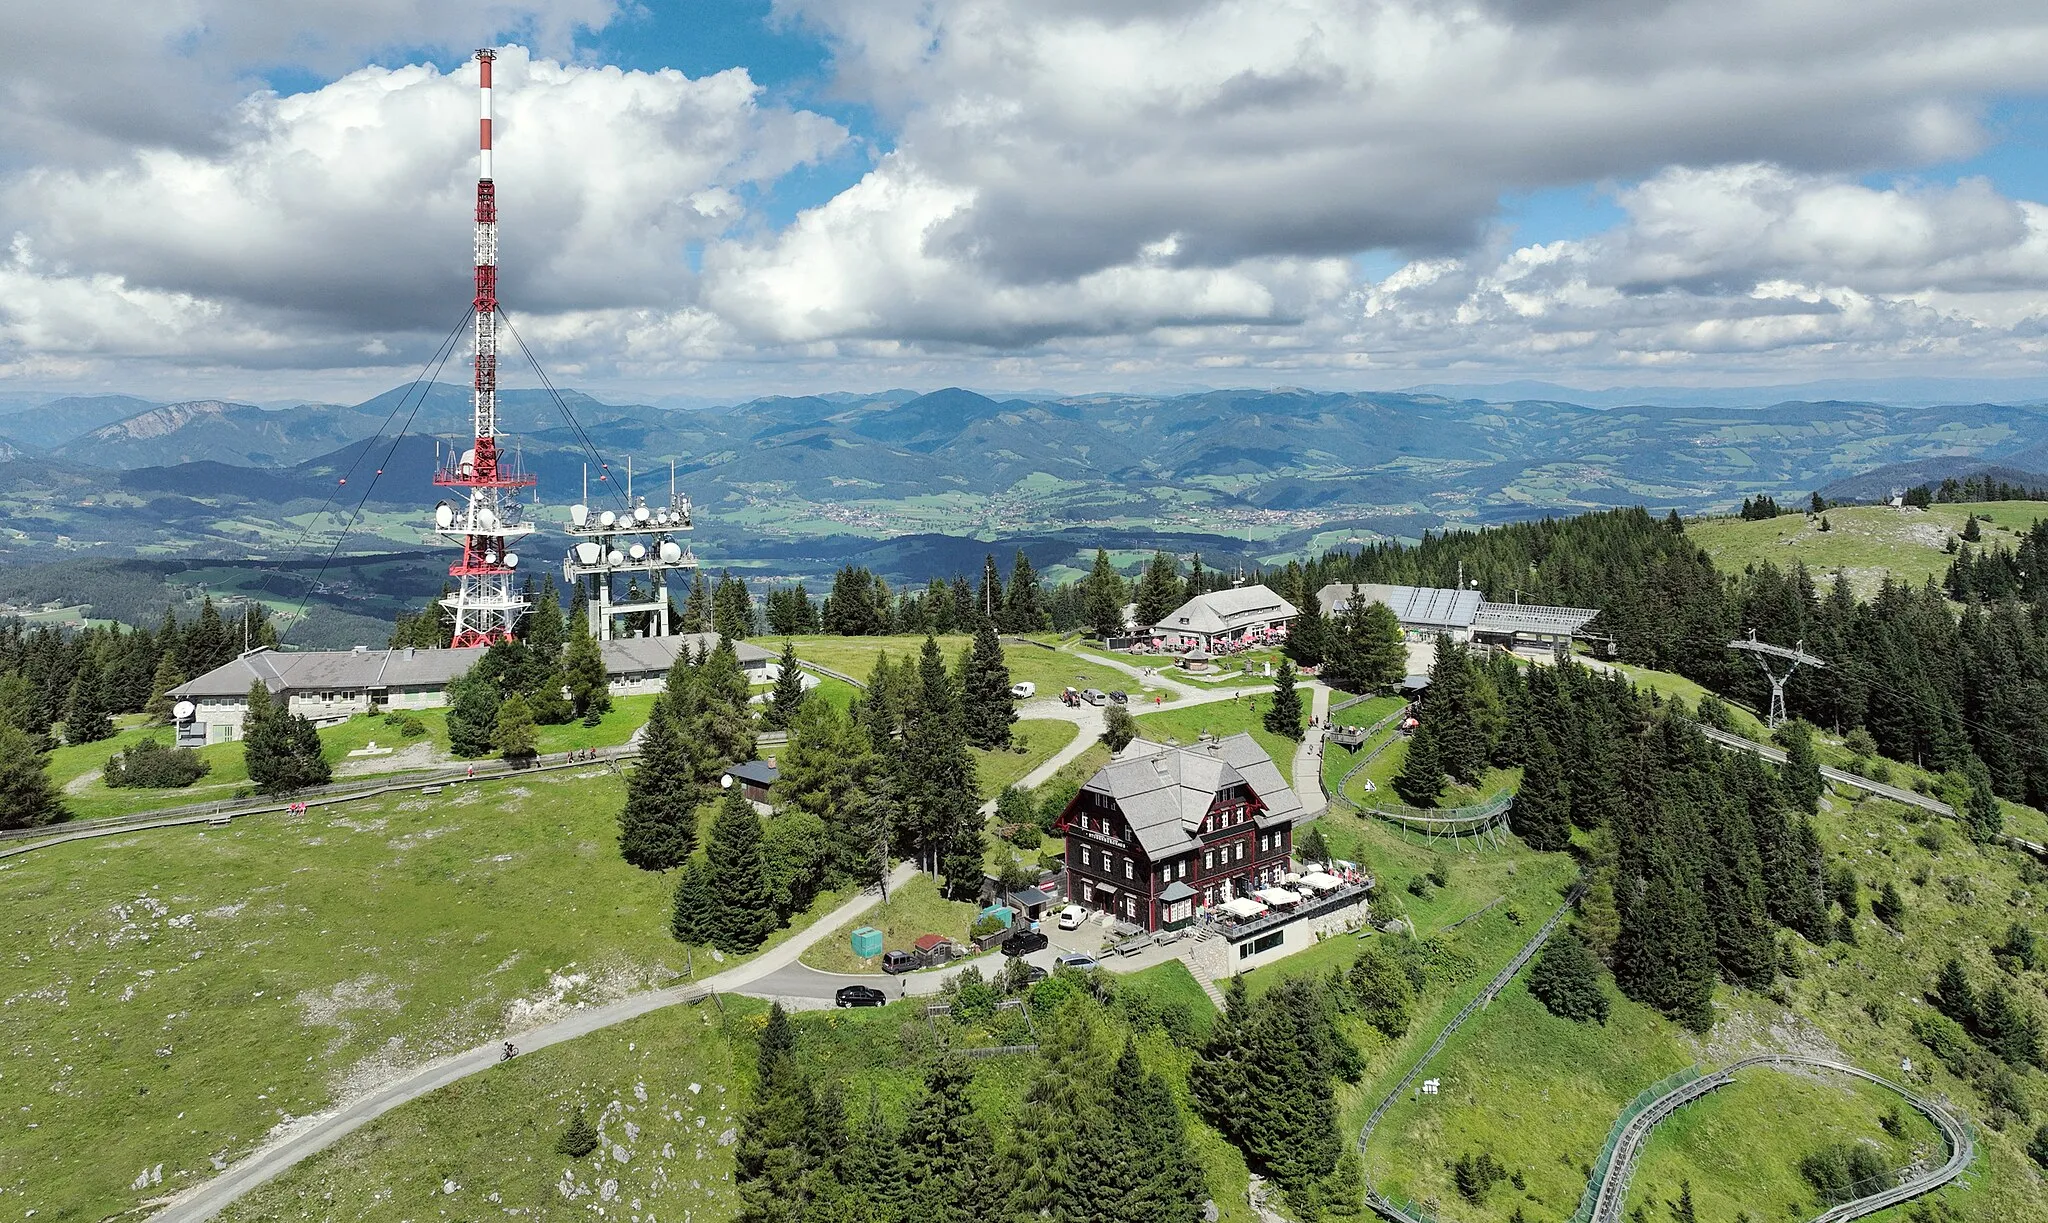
x: 320, y: 670
x: 1163, y: 792
x: 1414, y: 606
x: 348, y: 670
x: 1221, y: 610
x: 1531, y: 618
x: 758, y: 772
x: 1177, y: 890
x: 1030, y: 898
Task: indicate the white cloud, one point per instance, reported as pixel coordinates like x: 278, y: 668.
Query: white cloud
x: 344, y: 213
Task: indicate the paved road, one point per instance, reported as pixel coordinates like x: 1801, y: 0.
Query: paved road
x: 203, y: 1202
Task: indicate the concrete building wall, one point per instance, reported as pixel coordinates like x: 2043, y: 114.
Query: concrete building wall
x: 1284, y: 940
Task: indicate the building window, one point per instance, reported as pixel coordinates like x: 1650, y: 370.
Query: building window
x: 1087, y: 856
x: 1209, y: 860
x: 1261, y: 944
x: 1127, y: 868
x: 1240, y: 851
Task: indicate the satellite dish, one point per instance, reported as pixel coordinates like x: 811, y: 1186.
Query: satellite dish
x: 587, y: 553
x: 639, y: 513
x: 638, y: 552
x: 616, y: 557
x: 670, y: 552
x: 511, y: 560
x: 725, y: 781
x: 444, y: 515
x: 661, y: 516
x: 579, y: 515
x: 485, y: 518
x: 607, y: 518
x: 184, y: 710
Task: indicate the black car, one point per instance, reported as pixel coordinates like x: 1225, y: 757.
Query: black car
x: 860, y: 995
x: 1119, y: 697
x: 1033, y: 974
x: 1024, y: 942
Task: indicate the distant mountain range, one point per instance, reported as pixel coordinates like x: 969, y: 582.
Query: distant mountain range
x: 788, y: 484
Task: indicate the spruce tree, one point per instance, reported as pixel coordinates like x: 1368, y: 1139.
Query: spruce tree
x: 826, y: 770
x: 1800, y: 774
x: 1542, y: 809
x: 1024, y: 602
x: 1421, y: 777
x: 1735, y: 894
x: 1283, y: 717
x: 280, y: 749
x: 543, y: 630
x: 579, y: 1139
x: 205, y: 645
x: 1983, y: 818
x: 1381, y: 989
x: 166, y: 677
x: 658, y: 824
x: 515, y: 736
x: 85, y: 711
x: 697, y: 607
x: 948, y: 1157
x: 743, y: 907
x: 723, y: 722
x: 473, y: 701
x: 988, y: 709
x: 934, y: 776
x: 27, y: 797
x: 1566, y: 980
x: 583, y: 672
x: 1159, y: 589
x: 1308, y: 638
x: 788, y: 693
x: 1104, y: 589
x: 690, y: 917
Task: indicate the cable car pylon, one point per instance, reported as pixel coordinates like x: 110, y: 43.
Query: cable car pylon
x: 1764, y: 652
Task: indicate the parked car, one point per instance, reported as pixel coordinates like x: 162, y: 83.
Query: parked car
x: 860, y: 995
x: 1094, y: 696
x: 900, y: 961
x: 1033, y: 974
x: 1024, y: 942
x: 1076, y: 959
x: 1120, y: 697
x: 1024, y: 691
x: 1072, y: 916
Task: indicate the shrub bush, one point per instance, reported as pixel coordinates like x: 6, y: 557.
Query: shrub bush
x: 149, y: 765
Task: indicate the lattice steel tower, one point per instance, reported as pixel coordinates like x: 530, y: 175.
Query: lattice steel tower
x: 487, y: 521
x: 1764, y: 652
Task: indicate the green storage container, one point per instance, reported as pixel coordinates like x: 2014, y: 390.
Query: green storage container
x: 867, y: 942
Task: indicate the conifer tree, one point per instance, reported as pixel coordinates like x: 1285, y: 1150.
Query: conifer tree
x: 697, y: 609
x: 1664, y: 956
x: 1541, y: 814
x: 1381, y: 988
x: 583, y: 673
x: 722, y: 723
x: 281, y: 750
x: 1308, y: 638
x: 788, y: 693
x: 934, y: 777
x: 1422, y: 772
x: 1566, y: 980
x: 579, y: 1139
x: 988, y: 709
x: 1104, y: 592
x: 515, y: 736
x: 1366, y: 650
x: 732, y: 608
x: 166, y: 677
x: 743, y: 907
x: 205, y: 644
x: 543, y: 630
x: 947, y: 1152
x: 1983, y: 818
x: 1889, y: 907
x: 1024, y: 603
x: 1735, y: 895
x: 690, y: 918
x: 1800, y: 774
x: 827, y: 770
x: 1119, y: 728
x: 872, y: 1164
x: 1283, y: 717
x: 27, y: 797
x: 85, y: 711
x: 473, y: 701
x: 1159, y: 589
x: 658, y: 824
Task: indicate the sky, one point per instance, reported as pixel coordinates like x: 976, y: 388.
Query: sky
x: 716, y: 199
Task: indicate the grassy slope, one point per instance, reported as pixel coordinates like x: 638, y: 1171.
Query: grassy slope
x: 93, y: 799
x: 1867, y: 541
x: 286, y: 962
x: 493, y: 1135
x: 1222, y: 718
x: 1542, y: 1093
x: 1739, y: 1148
x: 1036, y: 741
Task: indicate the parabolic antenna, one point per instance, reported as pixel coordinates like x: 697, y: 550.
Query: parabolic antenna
x: 511, y: 560
x: 638, y: 552
x: 670, y: 553
x: 578, y: 515
x: 587, y: 553
x: 639, y: 513
x: 184, y: 710
x: 444, y: 515
x: 616, y: 557
x: 607, y: 519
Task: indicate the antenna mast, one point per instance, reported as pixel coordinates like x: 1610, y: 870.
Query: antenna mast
x: 487, y: 608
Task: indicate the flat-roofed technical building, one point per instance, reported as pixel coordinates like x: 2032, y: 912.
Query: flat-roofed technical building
x: 1434, y: 611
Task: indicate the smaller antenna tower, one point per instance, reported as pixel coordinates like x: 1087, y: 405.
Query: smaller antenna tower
x: 1764, y: 653
x: 642, y: 538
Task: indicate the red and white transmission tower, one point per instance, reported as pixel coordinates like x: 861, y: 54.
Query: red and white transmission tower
x: 486, y: 605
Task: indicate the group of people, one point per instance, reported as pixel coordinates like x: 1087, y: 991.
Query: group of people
x: 588, y: 753
x: 296, y: 808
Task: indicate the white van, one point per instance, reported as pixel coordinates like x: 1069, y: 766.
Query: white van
x: 1024, y: 691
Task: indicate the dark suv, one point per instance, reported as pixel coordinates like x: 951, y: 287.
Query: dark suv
x: 1024, y: 942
